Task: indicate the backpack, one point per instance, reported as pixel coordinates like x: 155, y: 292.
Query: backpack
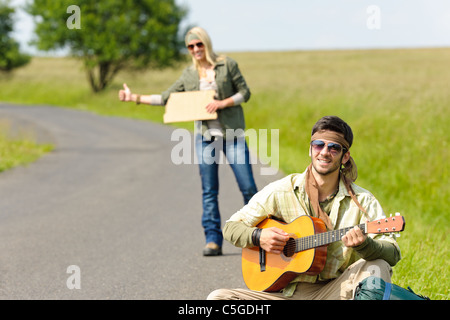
x: 375, y: 288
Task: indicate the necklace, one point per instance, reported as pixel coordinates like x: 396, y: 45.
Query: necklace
x: 331, y: 196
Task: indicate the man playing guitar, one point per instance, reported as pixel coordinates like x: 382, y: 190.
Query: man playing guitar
x: 325, y: 191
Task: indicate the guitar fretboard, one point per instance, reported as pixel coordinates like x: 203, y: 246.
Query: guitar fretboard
x: 324, y: 238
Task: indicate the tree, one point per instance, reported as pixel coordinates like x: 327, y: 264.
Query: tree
x: 10, y: 55
x: 111, y: 35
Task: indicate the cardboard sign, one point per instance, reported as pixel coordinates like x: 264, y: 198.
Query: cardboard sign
x: 189, y: 106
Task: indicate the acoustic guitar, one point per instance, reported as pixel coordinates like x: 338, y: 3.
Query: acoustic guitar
x: 304, y: 253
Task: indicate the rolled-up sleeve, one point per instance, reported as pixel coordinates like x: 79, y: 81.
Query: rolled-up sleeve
x: 239, y: 80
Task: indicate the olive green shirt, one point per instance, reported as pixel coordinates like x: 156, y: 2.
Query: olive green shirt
x: 229, y: 81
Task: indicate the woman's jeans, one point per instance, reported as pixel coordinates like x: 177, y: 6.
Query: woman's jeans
x: 209, y: 158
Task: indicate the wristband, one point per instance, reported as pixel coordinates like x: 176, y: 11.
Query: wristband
x: 138, y: 99
x: 256, y: 235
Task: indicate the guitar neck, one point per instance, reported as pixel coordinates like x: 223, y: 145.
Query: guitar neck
x: 324, y: 238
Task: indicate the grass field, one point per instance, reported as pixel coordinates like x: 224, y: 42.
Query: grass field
x: 396, y: 101
x: 19, y: 150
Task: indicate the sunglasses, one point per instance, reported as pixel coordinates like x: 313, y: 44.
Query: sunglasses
x: 333, y: 148
x: 198, y: 45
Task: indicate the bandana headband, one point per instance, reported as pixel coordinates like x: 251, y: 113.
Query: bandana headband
x: 191, y: 36
x: 331, y: 136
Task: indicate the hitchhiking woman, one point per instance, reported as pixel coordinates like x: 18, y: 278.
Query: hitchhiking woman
x: 210, y: 71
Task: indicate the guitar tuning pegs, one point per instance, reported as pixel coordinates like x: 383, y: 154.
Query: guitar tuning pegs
x: 397, y: 213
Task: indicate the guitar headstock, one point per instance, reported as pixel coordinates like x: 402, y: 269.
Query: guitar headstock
x: 387, y: 225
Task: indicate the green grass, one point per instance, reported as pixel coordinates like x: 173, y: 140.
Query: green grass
x: 396, y: 101
x: 18, y: 151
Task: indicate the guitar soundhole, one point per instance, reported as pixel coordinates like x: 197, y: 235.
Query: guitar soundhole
x: 289, y: 248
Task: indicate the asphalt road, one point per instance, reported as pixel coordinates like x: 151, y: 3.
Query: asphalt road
x: 109, y: 201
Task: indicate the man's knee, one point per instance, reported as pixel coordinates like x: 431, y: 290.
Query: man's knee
x: 377, y: 268
x: 361, y: 270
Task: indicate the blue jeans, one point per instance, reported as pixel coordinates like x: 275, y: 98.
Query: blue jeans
x: 209, y: 158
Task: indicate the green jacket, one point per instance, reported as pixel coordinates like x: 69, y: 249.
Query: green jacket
x: 229, y: 82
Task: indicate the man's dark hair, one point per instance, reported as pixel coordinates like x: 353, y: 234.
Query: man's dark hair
x: 336, y: 124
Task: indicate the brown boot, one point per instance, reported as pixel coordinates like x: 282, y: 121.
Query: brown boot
x: 212, y: 249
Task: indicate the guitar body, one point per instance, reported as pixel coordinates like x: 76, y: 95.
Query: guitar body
x: 280, y: 269
x: 305, y: 251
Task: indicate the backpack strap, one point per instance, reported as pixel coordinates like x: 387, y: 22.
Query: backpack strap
x: 387, y: 291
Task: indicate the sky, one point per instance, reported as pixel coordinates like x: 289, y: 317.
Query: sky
x: 279, y: 25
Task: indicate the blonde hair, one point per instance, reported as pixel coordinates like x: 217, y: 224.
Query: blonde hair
x: 202, y: 35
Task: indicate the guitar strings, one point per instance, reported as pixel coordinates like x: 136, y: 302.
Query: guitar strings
x: 319, y: 239
x: 316, y: 240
